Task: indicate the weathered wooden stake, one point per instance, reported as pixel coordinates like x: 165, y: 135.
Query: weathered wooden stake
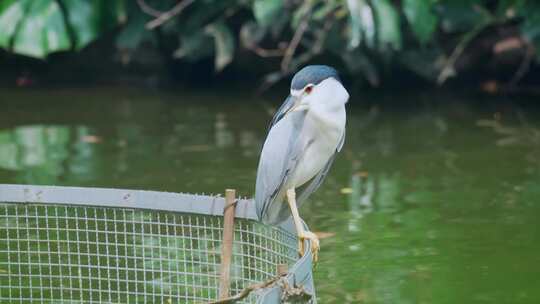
x: 227, y: 245
x: 282, y: 269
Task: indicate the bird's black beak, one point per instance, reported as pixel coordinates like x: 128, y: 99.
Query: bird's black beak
x: 294, y: 101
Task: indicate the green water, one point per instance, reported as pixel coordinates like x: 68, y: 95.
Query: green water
x: 435, y: 199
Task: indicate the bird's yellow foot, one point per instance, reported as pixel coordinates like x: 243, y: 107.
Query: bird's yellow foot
x: 308, y: 235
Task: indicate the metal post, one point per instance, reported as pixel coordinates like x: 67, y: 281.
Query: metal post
x: 227, y: 245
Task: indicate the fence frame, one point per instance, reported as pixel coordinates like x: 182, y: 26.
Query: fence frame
x: 299, y: 275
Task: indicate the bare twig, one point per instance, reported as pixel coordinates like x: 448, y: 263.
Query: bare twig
x: 524, y: 66
x: 246, y: 291
x: 291, y: 49
x: 316, y: 49
x: 166, y: 16
x: 293, y: 294
x: 148, y: 9
x: 508, y: 44
x: 321, y: 37
x: 265, y: 53
x: 448, y: 69
x: 295, y: 41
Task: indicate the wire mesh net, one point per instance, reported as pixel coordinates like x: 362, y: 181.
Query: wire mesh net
x: 82, y: 254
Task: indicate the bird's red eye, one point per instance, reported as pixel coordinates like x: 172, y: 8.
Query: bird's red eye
x: 308, y: 89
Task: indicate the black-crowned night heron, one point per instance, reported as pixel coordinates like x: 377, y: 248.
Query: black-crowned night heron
x: 303, y: 139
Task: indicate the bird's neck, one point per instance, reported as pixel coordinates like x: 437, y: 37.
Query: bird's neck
x: 329, y: 116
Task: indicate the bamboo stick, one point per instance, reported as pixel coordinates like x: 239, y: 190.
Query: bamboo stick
x: 227, y: 244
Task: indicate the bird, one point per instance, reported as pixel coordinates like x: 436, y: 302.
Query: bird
x: 303, y: 139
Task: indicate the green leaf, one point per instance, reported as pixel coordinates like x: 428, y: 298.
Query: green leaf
x: 83, y: 21
x: 251, y: 34
x: 201, y: 13
x: 90, y: 18
x: 11, y: 13
x: 134, y: 33
x: 110, y: 13
x: 459, y: 15
x: 357, y: 61
x: 361, y: 23
x: 388, y: 25
x: 300, y: 13
x: 8, y: 151
x: 422, y: 62
x: 321, y: 12
x: 421, y: 18
x: 529, y: 28
x: 266, y: 11
x: 224, y: 43
x: 55, y: 32
x: 43, y: 30
x: 335, y: 42
x: 509, y: 8
x: 38, y: 28
x: 194, y: 46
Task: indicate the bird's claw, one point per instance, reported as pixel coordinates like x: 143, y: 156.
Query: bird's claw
x: 308, y: 235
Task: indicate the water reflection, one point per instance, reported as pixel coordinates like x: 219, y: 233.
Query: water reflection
x: 427, y: 204
x: 361, y: 200
x: 36, y: 153
x: 432, y: 201
x: 175, y: 148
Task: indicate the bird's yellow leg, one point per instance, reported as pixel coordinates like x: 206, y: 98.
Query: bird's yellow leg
x: 291, y: 199
x: 302, y: 234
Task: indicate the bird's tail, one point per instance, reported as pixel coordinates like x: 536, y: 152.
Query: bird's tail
x: 277, y: 211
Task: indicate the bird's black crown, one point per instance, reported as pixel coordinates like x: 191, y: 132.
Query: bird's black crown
x: 313, y: 74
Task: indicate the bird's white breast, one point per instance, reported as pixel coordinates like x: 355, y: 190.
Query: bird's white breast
x: 323, y: 129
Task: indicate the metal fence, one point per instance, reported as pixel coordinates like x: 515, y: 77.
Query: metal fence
x: 88, y: 245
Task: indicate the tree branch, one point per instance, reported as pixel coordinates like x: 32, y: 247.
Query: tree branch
x: 448, y: 69
x: 315, y: 49
x: 295, y: 41
x: 265, y: 53
x: 524, y: 66
x: 246, y: 291
x: 166, y: 16
x: 148, y: 9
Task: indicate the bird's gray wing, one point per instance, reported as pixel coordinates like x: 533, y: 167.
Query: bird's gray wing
x: 279, y: 157
x: 319, y: 178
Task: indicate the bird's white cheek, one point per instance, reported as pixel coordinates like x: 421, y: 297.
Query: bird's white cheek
x: 304, y: 104
x: 338, y: 92
x: 307, y: 101
x: 330, y: 92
